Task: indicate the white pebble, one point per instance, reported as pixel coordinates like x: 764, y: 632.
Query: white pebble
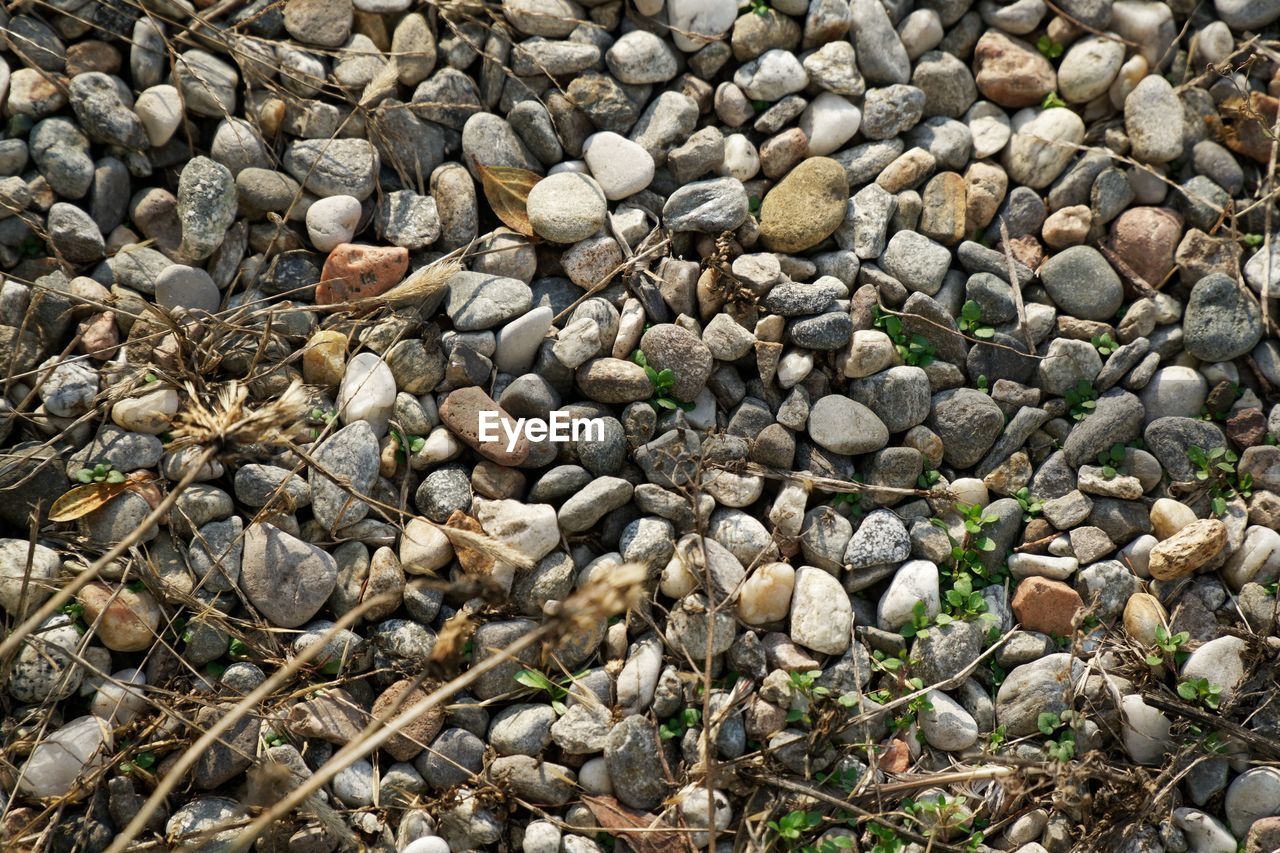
x: 332, y: 221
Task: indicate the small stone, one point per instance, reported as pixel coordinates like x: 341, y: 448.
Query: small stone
x: 821, y: 616
x: 66, y: 756
x: 286, y: 579
x: 916, y: 581
x: 842, y: 425
x: 367, y: 392
x: 765, y: 596
x: 1153, y: 137
x: 946, y: 725
x: 318, y: 22
x: 45, y: 565
x: 477, y: 301
x: 1082, y: 283
x: 1011, y: 72
x: 916, y: 261
x: 181, y: 286
x: 206, y: 206
x: 708, y: 207
x: 1188, y: 550
x: 124, y: 620
x: 1042, y: 145
x: 1222, y: 320
x: 1047, y: 606
x: 407, y: 220
x: 332, y: 221
x: 566, y: 207
x: 353, y: 272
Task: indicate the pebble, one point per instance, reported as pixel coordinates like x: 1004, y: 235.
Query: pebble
x: 1011, y: 72
x: 332, y: 221
x: 1146, y: 731
x: 1042, y: 686
x: 15, y: 554
x: 620, y: 167
x: 1082, y: 283
x: 181, y: 286
x: 1219, y: 661
x: 844, y: 426
x: 946, y: 725
x: 367, y: 393
x: 476, y: 301
x: 915, y: 581
x: 805, y: 207
x: 64, y: 757
x: 1042, y: 145
x: 354, y: 271
x: 708, y: 207
x: 1222, y: 320
x: 206, y: 206
x: 1154, y: 139
x: 286, y: 579
x: 1089, y: 68
x: 566, y: 207
x: 881, y: 55
x: 1188, y: 550
x: 821, y: 616
x: 124, y: 620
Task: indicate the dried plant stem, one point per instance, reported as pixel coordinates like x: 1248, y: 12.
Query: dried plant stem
x: 373, y: 737
x: 65, y: 594
x: 197, y: 749
x: 1016, y: 285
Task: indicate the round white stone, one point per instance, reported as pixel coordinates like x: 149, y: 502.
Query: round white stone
x: 332, y: 221
x: 367, y: 392
x: 621, y: 167
x: 160, y: 109
x: 829, y: 121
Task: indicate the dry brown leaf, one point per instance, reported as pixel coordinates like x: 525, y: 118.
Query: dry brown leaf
x: 446, y: 656
x: 507, y: 190
x: 616, y: 819
x: 472, y: 560
x: 83, y: 500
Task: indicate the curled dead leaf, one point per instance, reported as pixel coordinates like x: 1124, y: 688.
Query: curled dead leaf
x: 82, y: 500
x: 507, y: 190
x: 640, y: 830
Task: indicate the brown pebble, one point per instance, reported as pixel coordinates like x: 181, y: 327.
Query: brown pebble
x: 1047, y: 606
x: 460, y: 412
x: 353, y: 271
x: 1188, y: 550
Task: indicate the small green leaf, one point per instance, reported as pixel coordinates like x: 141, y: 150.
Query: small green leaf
x: 534, y: 679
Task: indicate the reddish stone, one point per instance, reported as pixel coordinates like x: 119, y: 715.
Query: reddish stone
x: 1247, y: 428
x: 92, y: 56
x: 99, y: 337
x: 1246, y: 134
x: 896, y: 757
x: 1147, y: 239
x: 354, y: 271
x: 1264, y: 836
x: 1011, y: 72
x: 460, y: 412
x: 778, y: 154
x: 1046, y: 606
x: 418, y: 734
x: 473, y: 562
x: 1026, y: 250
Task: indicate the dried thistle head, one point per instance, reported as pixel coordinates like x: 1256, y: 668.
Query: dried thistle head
x: 483, y: 544
x: 615, y: 592
x: 225, y: 420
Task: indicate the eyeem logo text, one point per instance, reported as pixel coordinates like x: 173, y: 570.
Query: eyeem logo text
x: 561, y: 427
